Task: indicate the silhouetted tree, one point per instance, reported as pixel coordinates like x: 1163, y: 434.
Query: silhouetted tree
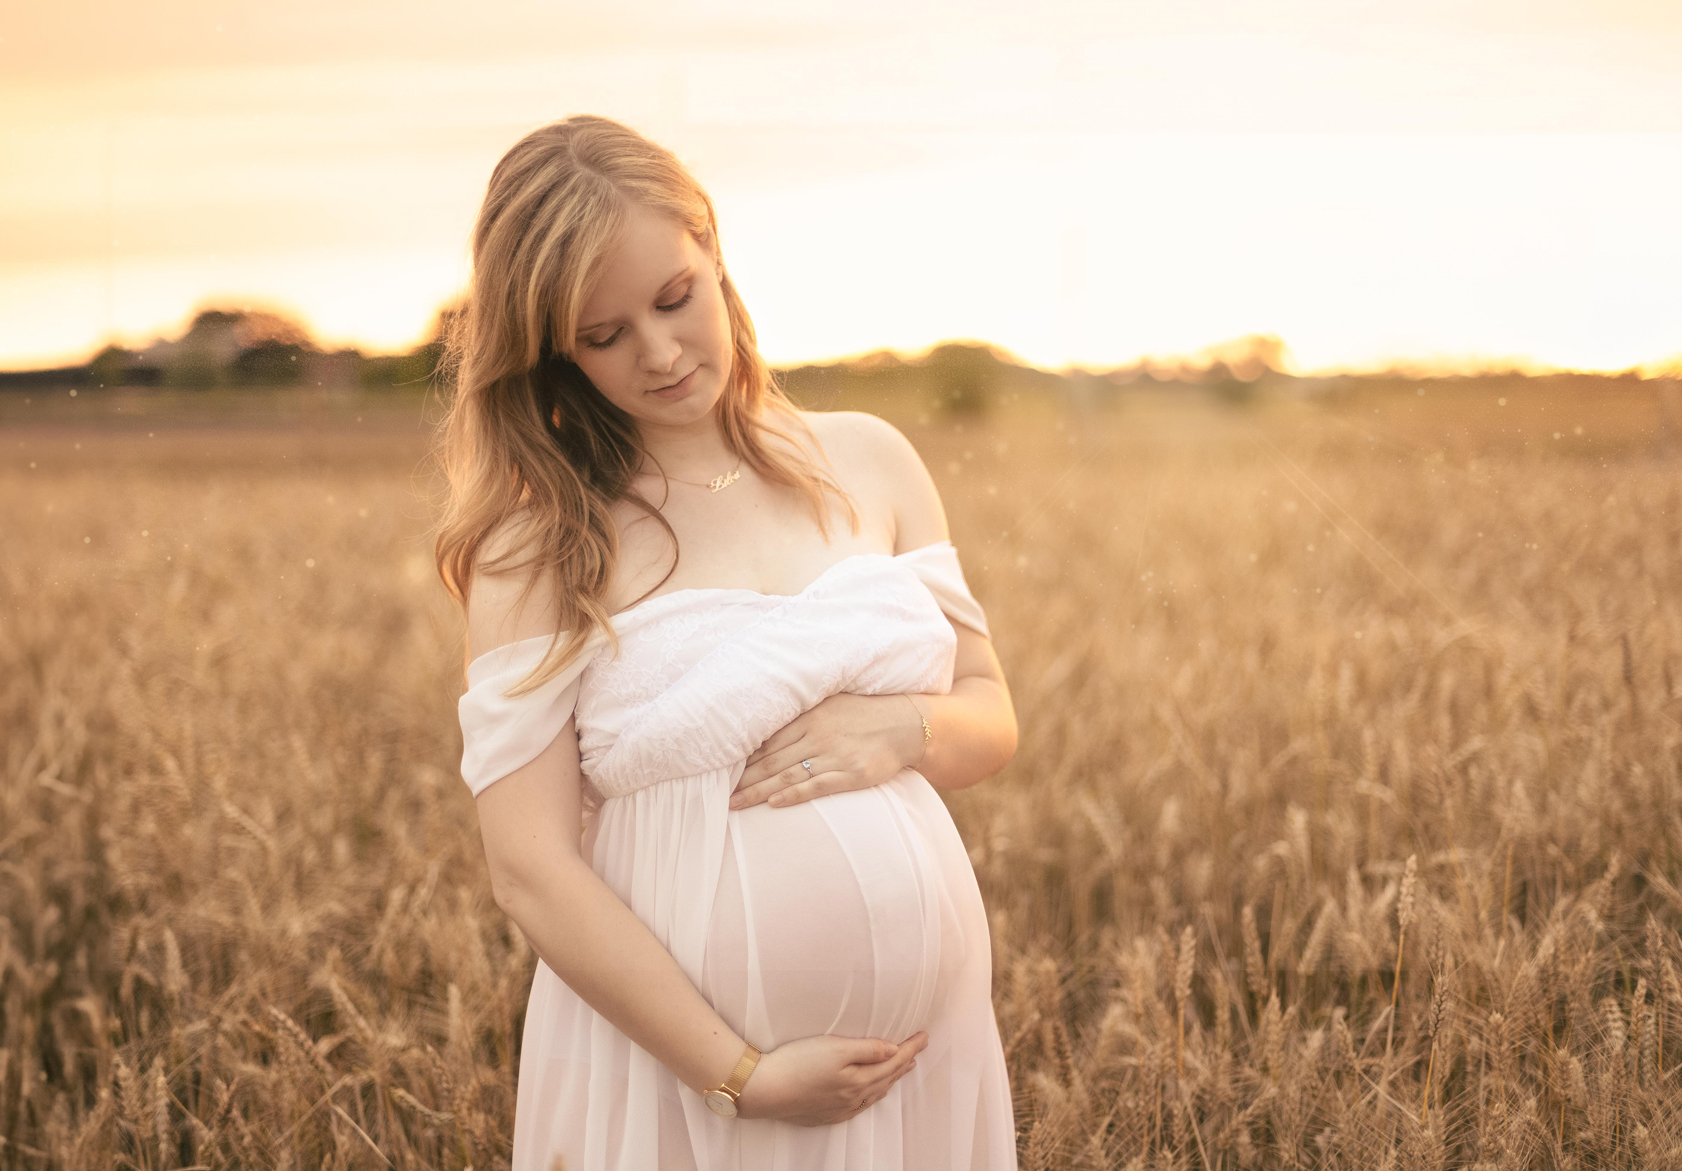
x: 963, y: 377
x: 108, y: 367
x: 268, y: 363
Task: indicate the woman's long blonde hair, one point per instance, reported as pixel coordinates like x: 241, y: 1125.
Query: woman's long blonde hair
x: 527, y: 441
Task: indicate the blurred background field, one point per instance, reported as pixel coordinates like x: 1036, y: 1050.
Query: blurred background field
x: 1297, y: 666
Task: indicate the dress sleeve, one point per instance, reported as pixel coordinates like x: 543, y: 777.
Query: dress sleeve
x: 937, y: 567
x: 500, y: 733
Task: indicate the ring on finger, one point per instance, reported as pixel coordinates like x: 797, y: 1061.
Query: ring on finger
x: 807, y: 765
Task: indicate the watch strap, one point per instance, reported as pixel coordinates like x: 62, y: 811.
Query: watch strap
x: 739, y: 1076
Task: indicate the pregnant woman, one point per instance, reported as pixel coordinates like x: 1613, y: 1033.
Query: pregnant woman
x: 720, y: 654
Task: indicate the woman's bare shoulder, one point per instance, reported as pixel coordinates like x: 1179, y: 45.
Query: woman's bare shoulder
x: 858, y: 432
x: 512, y: 594
x: 867, y: 450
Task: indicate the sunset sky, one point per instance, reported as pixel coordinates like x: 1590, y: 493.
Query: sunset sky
x: 1079, y: 183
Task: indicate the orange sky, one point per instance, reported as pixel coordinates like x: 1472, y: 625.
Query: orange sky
x: 1080, y: 183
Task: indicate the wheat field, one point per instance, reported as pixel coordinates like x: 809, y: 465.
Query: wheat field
x: 1342, y: 833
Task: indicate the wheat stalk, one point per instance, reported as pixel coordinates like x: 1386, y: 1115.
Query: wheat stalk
x: 1182, y: 993
x: 1404, y: 916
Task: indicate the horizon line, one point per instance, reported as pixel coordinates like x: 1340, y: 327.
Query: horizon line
x: 1238, y: 351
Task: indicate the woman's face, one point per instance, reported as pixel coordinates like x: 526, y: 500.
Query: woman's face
x: 654, y: 335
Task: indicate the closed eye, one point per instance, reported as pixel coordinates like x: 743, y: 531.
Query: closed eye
x: 672, y: 308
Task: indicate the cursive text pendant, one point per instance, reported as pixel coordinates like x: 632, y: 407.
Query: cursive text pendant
x: 724, y: 481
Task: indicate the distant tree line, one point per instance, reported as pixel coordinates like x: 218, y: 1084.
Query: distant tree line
x: 240, y: 348
x: 246, y: 348
x: 970, y: 378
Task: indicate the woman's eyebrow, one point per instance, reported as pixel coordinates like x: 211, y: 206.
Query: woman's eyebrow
x: 683, y: 272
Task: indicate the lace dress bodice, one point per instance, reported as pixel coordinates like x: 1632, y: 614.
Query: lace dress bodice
x: 704, y: 676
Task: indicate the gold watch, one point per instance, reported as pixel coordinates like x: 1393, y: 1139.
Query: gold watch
x: 721, y: 1100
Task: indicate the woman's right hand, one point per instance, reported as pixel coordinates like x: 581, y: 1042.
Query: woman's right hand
x: 816, y: 1081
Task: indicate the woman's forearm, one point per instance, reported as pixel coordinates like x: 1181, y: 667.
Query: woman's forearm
x: 609, y: 957
x: 974, y: 733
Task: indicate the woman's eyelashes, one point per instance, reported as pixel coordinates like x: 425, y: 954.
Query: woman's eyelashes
x: 672, y: 308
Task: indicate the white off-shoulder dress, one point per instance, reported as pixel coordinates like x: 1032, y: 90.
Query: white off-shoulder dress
x: 855, y: 913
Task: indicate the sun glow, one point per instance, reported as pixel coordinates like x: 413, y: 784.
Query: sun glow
x: 1465, y: 191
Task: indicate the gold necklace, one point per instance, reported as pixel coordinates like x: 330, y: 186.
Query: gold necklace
x: 717, y: 482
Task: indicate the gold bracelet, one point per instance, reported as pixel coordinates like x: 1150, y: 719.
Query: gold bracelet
x: 927, y: 733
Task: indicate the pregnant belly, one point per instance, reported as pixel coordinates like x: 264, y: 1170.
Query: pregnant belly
x: 838, y: 915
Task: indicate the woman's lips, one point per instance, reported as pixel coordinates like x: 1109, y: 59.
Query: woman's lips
x: 678, y: 388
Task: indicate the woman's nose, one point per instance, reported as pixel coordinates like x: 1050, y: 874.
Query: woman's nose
x: 660, y: 351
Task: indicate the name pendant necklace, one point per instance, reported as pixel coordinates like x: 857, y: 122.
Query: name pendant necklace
x: 717, y: 483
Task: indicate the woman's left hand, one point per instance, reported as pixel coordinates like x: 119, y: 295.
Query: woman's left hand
x: 851, y: 741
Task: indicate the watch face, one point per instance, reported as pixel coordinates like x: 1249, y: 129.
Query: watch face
x: 719, y: 1103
